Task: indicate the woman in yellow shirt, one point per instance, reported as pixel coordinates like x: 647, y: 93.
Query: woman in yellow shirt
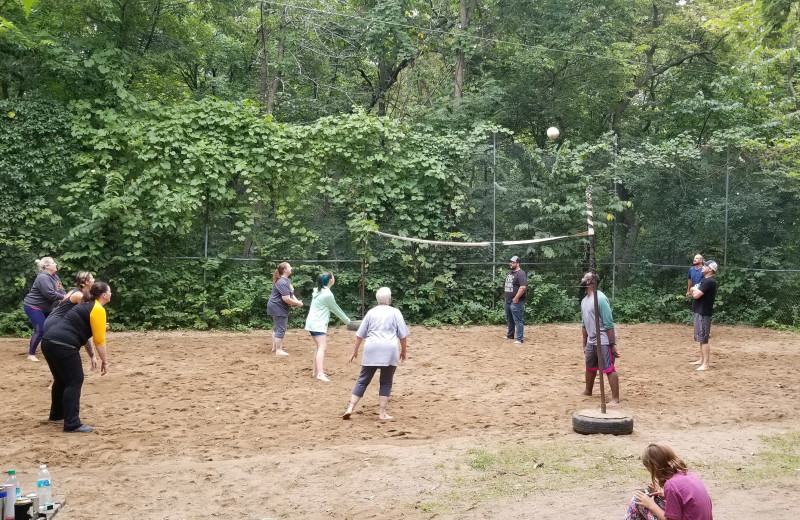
x: 61, y: 348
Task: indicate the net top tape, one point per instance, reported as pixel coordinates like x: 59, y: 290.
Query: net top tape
x: 477, y: 244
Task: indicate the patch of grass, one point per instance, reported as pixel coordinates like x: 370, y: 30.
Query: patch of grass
x: 480, y: 459
x: 778, y: 463
x: 520, y: 470
x: 430, y: 507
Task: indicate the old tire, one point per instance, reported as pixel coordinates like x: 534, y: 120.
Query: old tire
x: 354, y: 325
x: 613, y: 422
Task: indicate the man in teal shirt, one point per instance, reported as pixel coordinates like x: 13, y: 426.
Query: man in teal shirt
x: 606, y: 351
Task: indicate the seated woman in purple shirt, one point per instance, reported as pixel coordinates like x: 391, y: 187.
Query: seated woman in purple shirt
x: 675, y: 493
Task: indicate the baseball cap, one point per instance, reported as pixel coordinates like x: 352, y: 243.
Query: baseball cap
x: 514, y: 259
x: 712, y: 264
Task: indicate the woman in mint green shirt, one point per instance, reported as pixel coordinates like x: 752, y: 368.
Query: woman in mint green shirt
x: 322, y: 303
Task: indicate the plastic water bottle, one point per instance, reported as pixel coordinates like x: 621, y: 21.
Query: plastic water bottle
x: 12, y: 479
x: 43, y: 486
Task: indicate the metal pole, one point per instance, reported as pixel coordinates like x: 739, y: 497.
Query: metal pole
x: 363, y: 280
x: 205, y: 257
x: 614, y: 229
x: 727, y: 184
x: 494, y: 207
x: 593, y: 266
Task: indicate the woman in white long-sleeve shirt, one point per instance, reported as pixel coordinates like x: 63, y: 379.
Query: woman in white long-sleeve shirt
x: 382, y: 327
x: 319, y: 314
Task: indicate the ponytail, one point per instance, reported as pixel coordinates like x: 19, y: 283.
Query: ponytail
x: 81, y: 279
x: 323, y: 280
x: 97, y: 290
x: 279, y: 271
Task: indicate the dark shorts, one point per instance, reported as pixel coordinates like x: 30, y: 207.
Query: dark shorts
x: 316, y: 333
x: 592, y: 362
x: 702, y: 327
x: 281, y: 323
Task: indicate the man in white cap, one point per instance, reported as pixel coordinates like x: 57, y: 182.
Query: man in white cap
x: 515, y: 287
x: 702, y: 309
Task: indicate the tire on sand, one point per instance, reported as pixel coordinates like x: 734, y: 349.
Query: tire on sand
x: 354, y: 325
x: 613, y: 422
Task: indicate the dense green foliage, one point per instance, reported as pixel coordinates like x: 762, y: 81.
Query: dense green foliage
x: 178, y: 148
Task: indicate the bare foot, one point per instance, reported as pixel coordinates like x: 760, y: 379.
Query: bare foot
x: 586, y: 393
x: 323, y: 377
x: 281, y: 353
x: 696, y: 362
x: 613, y: 402
x: 702, y: 367
x: 33, y: 358
x: 386, y: 417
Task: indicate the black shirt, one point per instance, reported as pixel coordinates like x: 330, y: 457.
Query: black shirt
x: 704, y: 304
x: 515, y: 279
x: 74, y: 328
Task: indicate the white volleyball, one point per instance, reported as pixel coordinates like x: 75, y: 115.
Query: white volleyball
x: 553, y: 132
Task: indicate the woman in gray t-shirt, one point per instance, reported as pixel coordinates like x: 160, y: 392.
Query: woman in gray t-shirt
x: 382, y: 327
x: 280, y: 299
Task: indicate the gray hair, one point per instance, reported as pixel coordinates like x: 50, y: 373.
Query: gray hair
x: 384, y: 296
x: 44, y: 262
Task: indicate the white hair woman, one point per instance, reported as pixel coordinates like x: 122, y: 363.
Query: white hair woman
x: 380, y: 330
x: 45, y: 293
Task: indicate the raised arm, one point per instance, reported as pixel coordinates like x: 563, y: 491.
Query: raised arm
x: 330, y: 302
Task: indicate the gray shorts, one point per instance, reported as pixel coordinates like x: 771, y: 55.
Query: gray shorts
x: 592, y: 363
x: 702, y: 327
x: 281, y: 323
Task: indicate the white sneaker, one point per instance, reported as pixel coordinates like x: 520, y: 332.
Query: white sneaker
x: 517, y: 342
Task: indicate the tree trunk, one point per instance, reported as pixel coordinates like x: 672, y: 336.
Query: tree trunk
x: 273, y: 89
x: 790, y: 73
x: 264, y: 84
x: 465, y: 13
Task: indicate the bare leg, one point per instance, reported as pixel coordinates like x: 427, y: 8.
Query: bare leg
x: 705, y: 356
x: 590, y: 375
x: 353, y: 402
x: 279, y: 347
x: 613, y: 382
x: 319, y: 357
x: 383, y: 401
x: 699, y: 361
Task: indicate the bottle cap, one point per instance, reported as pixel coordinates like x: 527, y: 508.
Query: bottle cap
x: 12, y: 472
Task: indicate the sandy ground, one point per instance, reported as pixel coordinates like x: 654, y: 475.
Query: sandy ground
x: 211, y: 425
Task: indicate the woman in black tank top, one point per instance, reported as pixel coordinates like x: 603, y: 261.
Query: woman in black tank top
x: 83, y: 281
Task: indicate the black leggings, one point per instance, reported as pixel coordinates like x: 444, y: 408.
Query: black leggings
x: 387, y: 376
x: 67, y: 369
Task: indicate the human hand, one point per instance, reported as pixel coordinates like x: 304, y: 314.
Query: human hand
x: 515, y: 300
x: 353, y: 357
x: 403, y: 355
x: 94, y: 362
x: 646, y: 500
x: 104, y: 368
